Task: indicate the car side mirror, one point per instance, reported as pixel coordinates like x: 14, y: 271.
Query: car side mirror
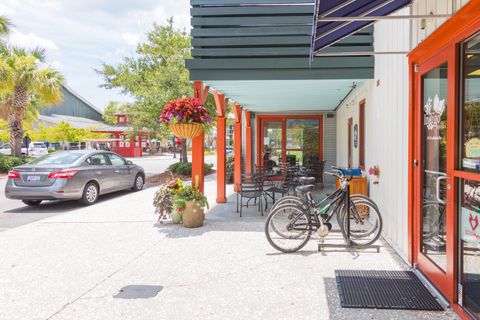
x: 129, y: 162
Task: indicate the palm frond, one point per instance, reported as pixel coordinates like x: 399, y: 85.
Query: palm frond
x: 5, y: 26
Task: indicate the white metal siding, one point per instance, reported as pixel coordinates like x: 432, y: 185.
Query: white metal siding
x: 387, y: 136
x: 421, y: 30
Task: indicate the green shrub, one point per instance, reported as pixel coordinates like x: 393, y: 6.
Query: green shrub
x: 185, y: 169
x: 7, y: 163
x: 173, y: 167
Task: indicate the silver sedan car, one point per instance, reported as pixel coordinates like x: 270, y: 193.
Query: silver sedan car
x: 74, y: 175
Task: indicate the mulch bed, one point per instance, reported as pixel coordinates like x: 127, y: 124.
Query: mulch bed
x: 166, y: 176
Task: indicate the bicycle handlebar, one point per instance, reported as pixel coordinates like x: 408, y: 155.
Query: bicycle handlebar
x: 340, y: 173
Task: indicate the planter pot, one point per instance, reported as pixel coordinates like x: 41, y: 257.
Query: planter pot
x: 186, y: 130
x: 193, y: 215
x: 176, y: 217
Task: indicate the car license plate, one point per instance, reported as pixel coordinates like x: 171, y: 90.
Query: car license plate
x: 33, y: 178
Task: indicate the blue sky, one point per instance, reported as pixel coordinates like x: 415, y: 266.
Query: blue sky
x: 81, y: 34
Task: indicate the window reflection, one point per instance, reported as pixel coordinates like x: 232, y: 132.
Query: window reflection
x: 471, y: 106
x: 469, y: 224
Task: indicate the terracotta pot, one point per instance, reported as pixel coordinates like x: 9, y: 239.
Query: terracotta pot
x: 176, y: 217
x: 186, y: 130
x: 193, y: 215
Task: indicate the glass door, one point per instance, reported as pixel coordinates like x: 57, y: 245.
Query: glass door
x: 272, y: 151
x: 469, y: 193
x: 433, y: 178
x: 303, y: 141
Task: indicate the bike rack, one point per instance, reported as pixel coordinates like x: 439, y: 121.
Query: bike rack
x: 322, y: 246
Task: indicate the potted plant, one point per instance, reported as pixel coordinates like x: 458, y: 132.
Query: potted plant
x: 186, y: 117
x: 190, y: 202
x: 163, y: 202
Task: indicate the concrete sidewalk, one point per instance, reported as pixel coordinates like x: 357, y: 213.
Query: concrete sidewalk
x: 113, y: 261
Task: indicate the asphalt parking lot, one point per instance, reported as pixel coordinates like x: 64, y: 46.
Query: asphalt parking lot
x: 13, y: 213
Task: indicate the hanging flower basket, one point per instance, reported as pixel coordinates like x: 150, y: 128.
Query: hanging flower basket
x: 186, y: 130
x: 187, y: 118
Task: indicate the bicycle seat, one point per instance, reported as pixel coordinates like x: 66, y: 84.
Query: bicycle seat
x: 307, y: 180
x: 305, y: 189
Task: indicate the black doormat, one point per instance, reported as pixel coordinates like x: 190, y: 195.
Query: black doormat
x: 383, y: 290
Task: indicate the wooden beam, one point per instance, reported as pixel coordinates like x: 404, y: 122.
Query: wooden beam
x: 198, y: 144
x: 282, y: 74
x: 221, y: 104
x: 237, y: 146
x: 252, y: 31
x: 245, y: 2
x: 251, y: 10
x: 280, y: 63
x: 252, y: 21
x: 248, y: 141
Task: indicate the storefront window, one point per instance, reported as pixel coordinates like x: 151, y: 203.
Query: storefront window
x: 469, y: 251
x: 471, y: 106
x: 302, y: 133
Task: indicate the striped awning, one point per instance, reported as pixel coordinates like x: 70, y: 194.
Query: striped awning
x: 327, y: 33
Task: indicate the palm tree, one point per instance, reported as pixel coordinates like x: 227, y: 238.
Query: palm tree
x: 24, y: 81
x: 5, y: 26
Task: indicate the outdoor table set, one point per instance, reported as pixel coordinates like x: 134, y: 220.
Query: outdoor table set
x: 264, y: 184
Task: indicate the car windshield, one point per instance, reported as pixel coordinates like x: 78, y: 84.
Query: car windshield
x: 39, y: 145
x: 57, y: 158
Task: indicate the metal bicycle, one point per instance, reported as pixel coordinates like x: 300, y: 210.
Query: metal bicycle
x: 289, y: 225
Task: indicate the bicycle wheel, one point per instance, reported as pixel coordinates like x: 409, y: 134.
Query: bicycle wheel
x: 289, y: 200
x: 354, y: 198
x: 365, y: 223
x: 288, y: 228
x: 289, y: 235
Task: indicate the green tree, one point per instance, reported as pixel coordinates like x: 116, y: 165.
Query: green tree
x: 5, y: 26
x: 154, y: 76
x: 112, y: 108
x: 25, y: 82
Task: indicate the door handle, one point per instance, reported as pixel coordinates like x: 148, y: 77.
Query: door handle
x: 439, y: 179
x: 99, y: 173
x: 117, y: 171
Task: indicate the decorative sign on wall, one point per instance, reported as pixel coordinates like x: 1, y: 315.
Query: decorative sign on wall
x: 355, y: 135
x: 434, y: 109
x: 472, y: 148
x: 470, y: 226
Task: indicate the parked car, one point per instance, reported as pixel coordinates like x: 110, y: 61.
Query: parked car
x: 6, y: 149
x: 229, y: 150
x: 73, y: 175
x: 37, y: 149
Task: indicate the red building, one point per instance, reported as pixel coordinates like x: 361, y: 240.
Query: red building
x: 121, y: 139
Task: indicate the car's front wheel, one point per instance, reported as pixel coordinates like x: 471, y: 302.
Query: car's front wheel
x: 138, y: 183
x: 32, y: 203
x: 90, y: 194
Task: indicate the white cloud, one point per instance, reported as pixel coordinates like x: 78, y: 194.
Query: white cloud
x: 8, y: 8
x: 31, y: 40
x: 132, y: 39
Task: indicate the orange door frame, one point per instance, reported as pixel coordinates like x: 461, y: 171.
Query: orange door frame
x: 349, y: 145
x: 447, y: 39
x: 442, y: 280
x: 221, y: 104
x: 261, y: 118
x: 198, y: 143
x: 248, y: 141
x: 361, y: 135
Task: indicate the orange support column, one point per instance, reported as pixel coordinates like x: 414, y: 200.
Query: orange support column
x: 248, y: 142
x: 237, y: 146
x: 198, y: 143
x: 221, y: 104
